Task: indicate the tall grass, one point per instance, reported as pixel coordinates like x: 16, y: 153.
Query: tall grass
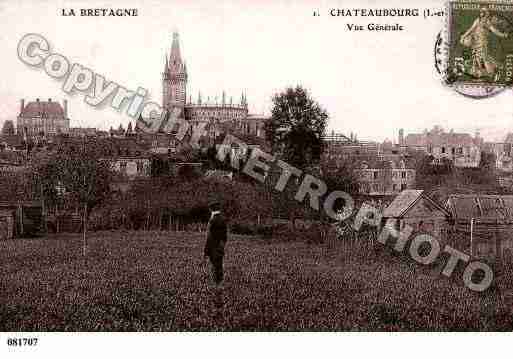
x: 155, y: 281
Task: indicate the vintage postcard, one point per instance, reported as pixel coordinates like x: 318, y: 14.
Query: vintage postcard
x: 243, y: 166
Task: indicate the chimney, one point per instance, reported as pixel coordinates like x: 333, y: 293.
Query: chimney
x: 22, y: 105
x: 65, y: 102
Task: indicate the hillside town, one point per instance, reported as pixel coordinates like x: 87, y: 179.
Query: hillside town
x: 428, y: 180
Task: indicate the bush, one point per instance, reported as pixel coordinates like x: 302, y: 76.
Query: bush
x: 242, y: 228
x: 312, y: 234
x: 264, y: 231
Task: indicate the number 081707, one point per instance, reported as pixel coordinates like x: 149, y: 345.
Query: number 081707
x: 22, y: 342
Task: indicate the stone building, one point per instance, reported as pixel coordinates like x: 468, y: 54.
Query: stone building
x: 46, y: 118
x: 503, y: 152
x: 82, y: 131
x: 129, y: 159
x: 213, y: 113
x: 385, y: 177
x: 12, y: 168
x: 461, y: 148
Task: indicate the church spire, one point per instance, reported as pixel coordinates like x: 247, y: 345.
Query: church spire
x: 166, y: 69
x: 175, y: 79
x: 175, y: 58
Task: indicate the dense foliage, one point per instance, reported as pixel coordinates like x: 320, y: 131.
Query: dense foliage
x: 296, y: 127
x: 74, y: 175
x: 443, y: 178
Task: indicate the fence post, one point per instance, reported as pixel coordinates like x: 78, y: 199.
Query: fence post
x: 471, y: 236
x: 498, y: 252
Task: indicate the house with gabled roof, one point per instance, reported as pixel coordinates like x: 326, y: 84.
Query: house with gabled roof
x: 42, y: 117
x: 416, y: 209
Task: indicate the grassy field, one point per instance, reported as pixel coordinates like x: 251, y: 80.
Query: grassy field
x: 133, y: 281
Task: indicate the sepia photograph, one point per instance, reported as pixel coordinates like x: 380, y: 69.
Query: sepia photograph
x: 240, y: 166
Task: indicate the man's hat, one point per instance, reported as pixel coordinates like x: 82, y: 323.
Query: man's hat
x: 213, y: 203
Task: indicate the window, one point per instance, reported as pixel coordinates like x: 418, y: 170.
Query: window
x: 403, y: 186
x: 375, y: 174
x: 443, y: 149
x: 139, y: 167
x: 507, y: 149
x: 403, y: 174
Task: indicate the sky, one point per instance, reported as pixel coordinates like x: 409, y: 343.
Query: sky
x: 370, y: 83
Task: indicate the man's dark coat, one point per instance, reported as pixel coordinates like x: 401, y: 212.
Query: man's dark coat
x: 216, y: 237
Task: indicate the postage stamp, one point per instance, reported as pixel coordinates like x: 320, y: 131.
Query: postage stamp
x: 480, y: 37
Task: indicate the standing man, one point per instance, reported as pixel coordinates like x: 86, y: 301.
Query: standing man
x: 216, y: 240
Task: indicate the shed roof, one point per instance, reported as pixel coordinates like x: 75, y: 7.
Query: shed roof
x: 481, y: 206
x: 406, y: 200
x: 402, y: 202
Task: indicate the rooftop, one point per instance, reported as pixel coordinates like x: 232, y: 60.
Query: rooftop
x: 404, y: 201
x: 481, y: 206
x: 42, y: 109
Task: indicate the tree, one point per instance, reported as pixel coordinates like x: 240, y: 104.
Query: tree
x: 341, y: 176
x: 430, y: 173
x: 488, y: 162
x: 78, y: 176
x: 8, y: 128
x: 296, y: 127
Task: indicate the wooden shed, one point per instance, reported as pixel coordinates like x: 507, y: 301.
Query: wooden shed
x: 486, y: 221
x: 6, y: 225
x: 21, y: 219
x: 415, y: 209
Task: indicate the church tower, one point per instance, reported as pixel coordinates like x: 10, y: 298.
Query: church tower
x: 174, y: 78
